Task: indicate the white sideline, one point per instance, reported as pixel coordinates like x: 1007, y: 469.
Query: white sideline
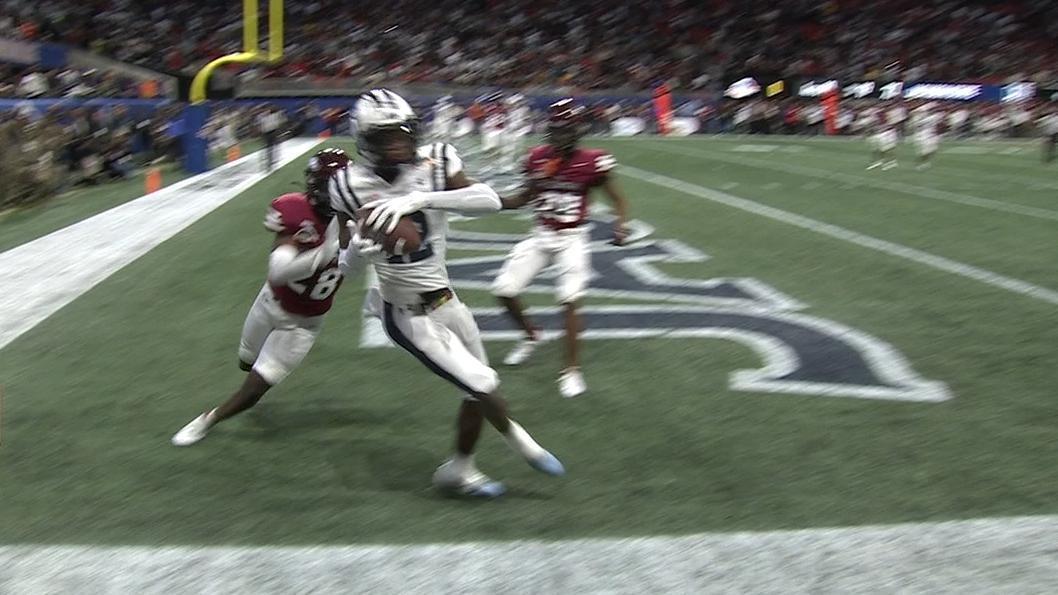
x: 43, y: 275
x: 1012, y: 555
x: 886, y: 247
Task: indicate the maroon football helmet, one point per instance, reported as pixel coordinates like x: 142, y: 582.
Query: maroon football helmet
x: 565, y: 125
x: 324, y: 164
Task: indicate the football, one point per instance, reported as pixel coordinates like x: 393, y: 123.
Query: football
x: 405, y: 238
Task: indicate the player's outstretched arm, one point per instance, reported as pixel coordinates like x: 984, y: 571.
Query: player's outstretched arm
x: 462, y: 195
x: 287, y: 264
x: 518, y: 200
x: 620, y: 203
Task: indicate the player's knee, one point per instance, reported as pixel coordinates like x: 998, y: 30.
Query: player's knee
x: 484, y: 382
x: 570, y: 295
x: 504, y: 287
x: 271, y: 372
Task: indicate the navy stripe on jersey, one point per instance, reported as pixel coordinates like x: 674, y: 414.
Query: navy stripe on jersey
x: 403, y: 341
x: 438, y: 183
x: 345, y: 192
x: 444, y: 167
x: 333, y: 188
x: 349, y: 187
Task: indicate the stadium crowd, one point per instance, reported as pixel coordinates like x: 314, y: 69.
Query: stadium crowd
x: 32, y: 82
x: 44, y: 152
x: 586, y: 44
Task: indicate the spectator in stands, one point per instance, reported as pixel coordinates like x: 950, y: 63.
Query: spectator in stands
x: 583, y: 45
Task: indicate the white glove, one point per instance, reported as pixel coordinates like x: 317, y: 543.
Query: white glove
x: 364, y: 246
x: 361, y: 251
x: 387, y: 213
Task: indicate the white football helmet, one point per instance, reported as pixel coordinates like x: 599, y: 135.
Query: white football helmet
x: 382, y: 119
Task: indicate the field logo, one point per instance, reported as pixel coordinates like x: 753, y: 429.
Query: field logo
x: 801, y: 354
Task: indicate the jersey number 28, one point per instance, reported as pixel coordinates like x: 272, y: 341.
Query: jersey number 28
x: 326, y: 283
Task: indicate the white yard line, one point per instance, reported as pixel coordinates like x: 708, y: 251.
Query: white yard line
x: 1013, y: 555
x: 886, y: 247
x: 43, y: 275
x: 890, y: 185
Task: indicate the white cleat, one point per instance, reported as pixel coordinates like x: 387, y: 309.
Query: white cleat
x: 571, y: 383
x: 192, y: 432
x: 469, y: 482
x: 521, y: 352
x: 889, y: 165
x: 874, y: 165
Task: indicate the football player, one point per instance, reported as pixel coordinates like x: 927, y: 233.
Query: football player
x: 515, y: 130
x: 303, y: 276
x: 492, y: 127
x: 560, y: 177
x: 445, y: 114
x: 421, y: 314
x: 1048, y: 125
x: 883, y: 141
x: 926, y: 123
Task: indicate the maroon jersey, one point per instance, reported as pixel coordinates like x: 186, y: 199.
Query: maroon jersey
x: 291, y: 214
x: 563, y: 184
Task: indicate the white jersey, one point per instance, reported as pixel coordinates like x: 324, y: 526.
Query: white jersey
x: 1049, y: 124
x: 403, y: 278
x: 518, y: 119
x: 927, y: 124
x: 444, y: 116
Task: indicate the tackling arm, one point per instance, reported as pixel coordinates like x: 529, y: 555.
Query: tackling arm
x: 287, y: 264
x: 620, y: 204
x: 518, y: 200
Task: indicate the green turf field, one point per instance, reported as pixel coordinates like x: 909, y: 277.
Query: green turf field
x: 343, y: 451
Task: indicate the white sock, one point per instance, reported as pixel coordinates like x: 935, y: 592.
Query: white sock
x: 462, y: 463
x: 522, y: 442
x: 211, y: 417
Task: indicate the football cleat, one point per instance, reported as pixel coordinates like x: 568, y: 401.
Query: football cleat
x: 193, y: 432
x: 547, y: 463
x: 470, y: 482
x: 571, y: 383
x: 521, y: 352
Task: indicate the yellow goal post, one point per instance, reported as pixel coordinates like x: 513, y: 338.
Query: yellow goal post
x: 251, y: 50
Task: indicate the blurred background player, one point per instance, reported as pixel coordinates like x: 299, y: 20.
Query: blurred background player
x: 925, y: 125
x: 516, y: 128
x: 560, y: 177
x: 492, y: 126
x: 883, y: 142
x: 1048, y: 125
x: 445, y: 115
x: 422, y: 313
x: 286, y: 317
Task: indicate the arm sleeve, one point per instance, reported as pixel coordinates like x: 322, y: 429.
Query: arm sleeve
x: 350, y: 262
x: 476, y: 198
x: 286, y: 264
